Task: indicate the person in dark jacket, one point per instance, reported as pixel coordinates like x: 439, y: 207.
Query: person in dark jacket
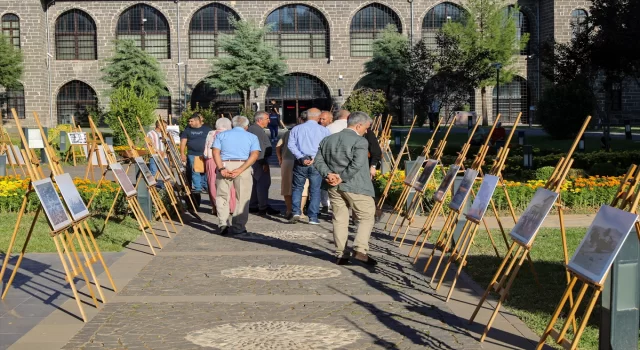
x: 375, y: 152
x: 261, y: 174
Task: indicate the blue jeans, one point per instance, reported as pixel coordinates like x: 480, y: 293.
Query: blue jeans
x: 153, y: 167
x: 274, y: 132
x: 300, y: 175
x: 198, y: 180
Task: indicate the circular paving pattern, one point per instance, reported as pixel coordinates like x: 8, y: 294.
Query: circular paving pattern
x: 281, y: 272
x: 273, y: 335
x: 283, y: 235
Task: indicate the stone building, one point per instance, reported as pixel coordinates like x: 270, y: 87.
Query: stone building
x: 65, y: 44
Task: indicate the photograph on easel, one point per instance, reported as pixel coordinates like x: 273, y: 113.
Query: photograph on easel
x: 101, y: 154
x: 77, y: 138
x: 529, y: 223
x: 421, y: 184
x: 173, y: 132
x: 146, y: 173
x: 461, y: 194
x: 162, y: 167
x: 601, y: 244
x: 445, y: 185
x: 483, y: 197
x: 413, y: 172
x: 176, y: 155
x: 53, y: 208
x: 18, y: 154
x: 72, y: 197
x: 123, y: 179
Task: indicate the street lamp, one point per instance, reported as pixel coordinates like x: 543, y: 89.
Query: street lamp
x: 497, y: 66
x: 581, y: 144
x: 521, y: 137
x: 528, y: 156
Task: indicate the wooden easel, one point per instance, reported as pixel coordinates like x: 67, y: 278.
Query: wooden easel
x: 65, y: 241
x: 132, y: 200
x: 385, y: 135
x: 508, y: 269
x: 375, y: 126
x: 398, y: 208
x: 73, y: 148
x: 627, y: 198
x: 93, y: 150
x: 387, y: 154
x: 12, y: 152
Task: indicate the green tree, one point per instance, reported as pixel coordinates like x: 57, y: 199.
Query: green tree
x: 564, y: 106
x: 130, y: 62
x: 370, y: 101
x: 208, y: 114
x: 248, y: 62
x: 10, y: 63
x: 129, y: 102
x: 486, y: 36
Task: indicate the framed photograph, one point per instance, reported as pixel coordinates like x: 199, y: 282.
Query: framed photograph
x: 462, y: 193
x: 53, y: 208
x: 427, y: 171
x: 175, y: 155
x: 72, y: 197
x: 173, y: 132
x: 18, y: 154
x: 446, y: 183
x: 410, y: 174
x: 483, y: 197
x: 602, y: 243
x: 529, y: 223
x: 77, y: 138
x: 146, y: 173
x: 162, y: 167
x: 123, y: 179
x: 34, y: 139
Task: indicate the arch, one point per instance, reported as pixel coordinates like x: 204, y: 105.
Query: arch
x: 205, y: 28
x: 435, y: 19
x: 300, y: 92
x: 514, y: 98
x: 299, y: 31
x: 11, y: 28
x: 77, y: 99
x: 366, y: 26
x: 147, y: 27
x: 75, y: 36
x: 208, y: 97
x: 578, y: 22
x: 13, y: 98
x: 522, y: 26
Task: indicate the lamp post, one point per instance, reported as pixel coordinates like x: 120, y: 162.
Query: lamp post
x: 521, y: 137
x: 627, y: 129
x: 581, y: 144
x: 497, y: 66
x: 528, y: 156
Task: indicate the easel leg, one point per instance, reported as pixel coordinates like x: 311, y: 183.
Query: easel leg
x: 24, y: 249
x: 141, y: 223
x: 99, y: 254
x: 427, y: 229
x: 409, y: 220
x: 556, y: 314
x: 145, y: 221
x: 115, y: 200
x: 563, y: 235
x: 70, y: 278
x: 493, y: 243
x: 585, y: 317
x: 89, y: 264
x: 572, y: 314
x: 160, y: 207
x: 69, y: 244
x: 463, y: 237
x: 463, y: 261
x: 441, y: 240
x: 398, y: 212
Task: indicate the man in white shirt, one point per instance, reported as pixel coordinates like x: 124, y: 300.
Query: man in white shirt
x: 340, y: 123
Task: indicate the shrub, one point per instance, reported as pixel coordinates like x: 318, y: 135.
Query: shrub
x: 128, y: 103
x: 544, y: 173
x: 208, y: 114
x: 370, y: 101
x: 564, y: 107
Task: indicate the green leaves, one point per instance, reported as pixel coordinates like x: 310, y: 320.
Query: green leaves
x: 372, y: 102
x: 10, y: 64
x: 129, y: 102
x: 130, y: 62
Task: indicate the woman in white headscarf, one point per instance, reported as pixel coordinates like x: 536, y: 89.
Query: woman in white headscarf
x: 223, y: 124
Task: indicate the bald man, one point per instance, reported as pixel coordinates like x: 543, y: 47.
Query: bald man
x: 326, y: 118
x: 340, y: 123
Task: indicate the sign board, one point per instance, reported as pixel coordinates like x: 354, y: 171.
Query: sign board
x: 34, y: 139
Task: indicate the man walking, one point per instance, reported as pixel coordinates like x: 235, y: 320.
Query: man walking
x: 261, y: 176
x: 342, y: 162
x: 303, y: 143
x: 234, y: 152
x: 193, y: 140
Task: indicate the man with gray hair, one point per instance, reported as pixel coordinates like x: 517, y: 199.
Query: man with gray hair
x: 261, y: 175
x: 342, y: 162
x: 234, y: 152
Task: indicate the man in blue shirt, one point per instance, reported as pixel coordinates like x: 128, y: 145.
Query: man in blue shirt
x: 303, y: 144
x: 234, y: 152
x: 193, y: 140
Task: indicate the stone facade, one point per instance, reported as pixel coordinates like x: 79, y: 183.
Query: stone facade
x: 44, y: 75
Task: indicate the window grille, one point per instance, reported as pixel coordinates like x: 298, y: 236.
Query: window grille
x: 13, y: 98
x: 299, y: 31
x: 514, y: 98
x: 435, y: 20
x: 367, y: 25
x: 205, y: 29
x: 11, y: 28
x: 75, y: 36
x: 205, y: 96
x: 75, y: 99
x: 148, y: 28
x: 578, y: 22
x: 299, y: 86
x: 522, y: 27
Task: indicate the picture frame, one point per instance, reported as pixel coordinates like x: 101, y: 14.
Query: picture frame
x: 427, y: 171
x: 411, y: 174
x: 162, y: 167
x: 446, y: 183
x: 529, y: 223
x: 53, y: 208
x: 101, y: 154
x: 173, y: 131
x: 175, y: 155
x: 483, y: 197
x: 463, y: 190
x: 77, y: 138
x: 18, y: 154
x: 146, y: 173
x: 602, y: 243
x: 34, y: 139
x: 72, y: 197
x: 123, y: 179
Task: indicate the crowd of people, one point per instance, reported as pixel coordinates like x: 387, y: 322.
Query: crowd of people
x: 327, y: 164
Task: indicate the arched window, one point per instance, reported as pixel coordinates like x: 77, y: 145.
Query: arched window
x: 299, y: 31
x: 13, y: 98
x: 366, y: 26
x: 75, y: 36
x: 76, y: 99
x: 11, y: 28
x: 513, y: 100
x: 436, y: 18
x: 205, y: 96
x: 300, y: 92
x: 205, y: 28
x: 578, y: 22
x: 147, y: 27
x: 522, y: 26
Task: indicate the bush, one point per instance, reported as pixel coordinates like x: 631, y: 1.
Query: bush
x: 544, y: 173
x: 127, y: 102
x: 208, y: 114
x: 564, y: 107
x: 370, y: 101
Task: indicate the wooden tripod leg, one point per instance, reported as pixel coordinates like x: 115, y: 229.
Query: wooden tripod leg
x: 70, y: 278
x: 533, y: 270
x: 174, y: 202
x: 463, y: 262
x: 115, y: 200
x: 572, y: 314
x: 556, y: 314
x: 164, y: 210
x: 504, y: 234
x: 445, y: 248
x: 145, y: 221
x: 99, y: 255
x: 442, y: 238
x: 89, y: 264
x: 14, y: 235
x: 159, y: 207
x: 141, y: 223
x: 563, y: 235
x: 426, y: 229
x: 493, y: 243
x: 24, y: 249
x: 427, y: 234
x: 585, y: 318
x: 458, y: 244
x: 463, y: 242
x: 398, y: 209
x: 409, y: 220
x: 445, y: 228
x: 69, y: 244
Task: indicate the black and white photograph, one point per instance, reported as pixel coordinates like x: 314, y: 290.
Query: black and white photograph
x: 175, y: 155
x: 71, y: 197
x: 446, y: 183
x: 602, y: 243
x: 462, y: 192
x: 174, y: 132
x: 529, y: 223
x: 77, y: 138
x: 427, y: 171
x: 146, y: 173
x: 162, y: 167
x: 34, y: 139
x: 123, y: 179
x: 53, y: 208
x: 411, y: 174
x: 483, y: 197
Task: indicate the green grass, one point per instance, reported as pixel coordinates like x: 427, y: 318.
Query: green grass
x: 116, y: 235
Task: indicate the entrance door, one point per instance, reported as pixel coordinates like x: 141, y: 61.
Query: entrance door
x: 299, y: 93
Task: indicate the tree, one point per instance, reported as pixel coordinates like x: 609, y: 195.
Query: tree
x: 487, y: 35
x: 370, y: 101
x: 130, y: 62
x: 420, y: 71
x: 564, y: 106
x: 10, y: 63
x: 129, y: 102
x: 248, y: 62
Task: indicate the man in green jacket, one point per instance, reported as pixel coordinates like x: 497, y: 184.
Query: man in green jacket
x: 343, y: 163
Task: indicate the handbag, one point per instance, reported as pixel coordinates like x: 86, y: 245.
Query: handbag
x: 198, y: 164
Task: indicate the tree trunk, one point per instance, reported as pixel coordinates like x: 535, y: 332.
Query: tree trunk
x: 247, y: 101
x: 485, y: 113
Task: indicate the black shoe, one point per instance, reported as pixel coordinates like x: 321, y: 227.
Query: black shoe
x: 243, y: 232
x: 324, y: 210
x: 254, y: 210
x: 269, y: 211
x: 342, y: 261
x: 287, y: 216
x: 197, y: 199
x: 224, y: 230
x: 365, y: 259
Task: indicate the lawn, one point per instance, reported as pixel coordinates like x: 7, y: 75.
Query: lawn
x: 117, y: 234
